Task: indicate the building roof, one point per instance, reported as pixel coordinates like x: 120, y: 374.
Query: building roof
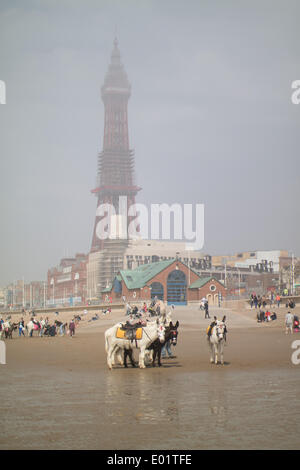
x: 201, y: 282
x: 137, y: 278
x: 107, y: 289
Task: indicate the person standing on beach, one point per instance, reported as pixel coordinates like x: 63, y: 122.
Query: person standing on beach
x: 128, y: 308
x: 206, y: 309
x: 278, y: 300
x: 166, y: 349
x: 72, y: 327
x: 21, y: 327
x: 289, y: 320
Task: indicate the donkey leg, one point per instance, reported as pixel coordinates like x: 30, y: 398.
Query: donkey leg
x: 159, y: 356
x: 211, y: 353
x: 154, y: 357
x: 120, y: 357
x: 125, y: 357
x: 221, y: 353
x: 216, y: 353
x: 130, y: 354
x: 142, y: 358
x: 110, y: 353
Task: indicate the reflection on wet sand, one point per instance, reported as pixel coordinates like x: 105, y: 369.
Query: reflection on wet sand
x: 212, y: 410
x: 139, y: 397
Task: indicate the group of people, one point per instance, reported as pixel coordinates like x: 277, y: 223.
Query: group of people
x: 140, y: 317
x: 152, y: 310
x: 47, y: 329
x: 43, y: 326
x: 259, y: 301
x: 267, y: 316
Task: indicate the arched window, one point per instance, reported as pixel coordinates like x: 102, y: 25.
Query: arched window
x: 157, y: 290
x: 176, y: 287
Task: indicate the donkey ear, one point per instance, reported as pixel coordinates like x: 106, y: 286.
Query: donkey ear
x: 171, y: 324
x: 177, y: 324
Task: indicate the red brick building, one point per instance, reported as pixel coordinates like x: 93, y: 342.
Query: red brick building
x: 67, y: 283
x: 171, y: 280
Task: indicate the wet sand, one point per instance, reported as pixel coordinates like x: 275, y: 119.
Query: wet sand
x: 57, y: 393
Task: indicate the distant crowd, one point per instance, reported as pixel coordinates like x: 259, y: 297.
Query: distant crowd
x: 259, y: 301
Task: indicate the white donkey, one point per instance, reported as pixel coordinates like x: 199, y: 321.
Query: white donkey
x: 31, y: 327
x: 217, y: 340
x: 5, y: 327
x: 113, y: 345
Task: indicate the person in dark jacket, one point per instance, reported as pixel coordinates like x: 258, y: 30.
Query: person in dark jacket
x: 72, y: 327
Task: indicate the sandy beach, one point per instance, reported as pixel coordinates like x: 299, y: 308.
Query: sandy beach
x: 57, y: 392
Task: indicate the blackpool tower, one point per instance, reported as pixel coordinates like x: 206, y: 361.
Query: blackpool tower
x: 115, y: 176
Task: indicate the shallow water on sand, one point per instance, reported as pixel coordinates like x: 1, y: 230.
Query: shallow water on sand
x: 151, y: 409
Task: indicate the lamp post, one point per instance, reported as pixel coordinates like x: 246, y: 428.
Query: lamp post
x: 189, y: 248
x: 293, y: 275
x: 239, y: 274
x: 76, y: 277
x: 30, y: 294
x: 44, y: 294
x: 23, y: 293
x: 52, y: 284
x: 13, y: 295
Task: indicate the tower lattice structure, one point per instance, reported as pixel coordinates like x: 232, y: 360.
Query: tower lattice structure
x: 115, y: 175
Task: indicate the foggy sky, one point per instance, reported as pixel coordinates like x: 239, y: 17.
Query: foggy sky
x: 210, y: 119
